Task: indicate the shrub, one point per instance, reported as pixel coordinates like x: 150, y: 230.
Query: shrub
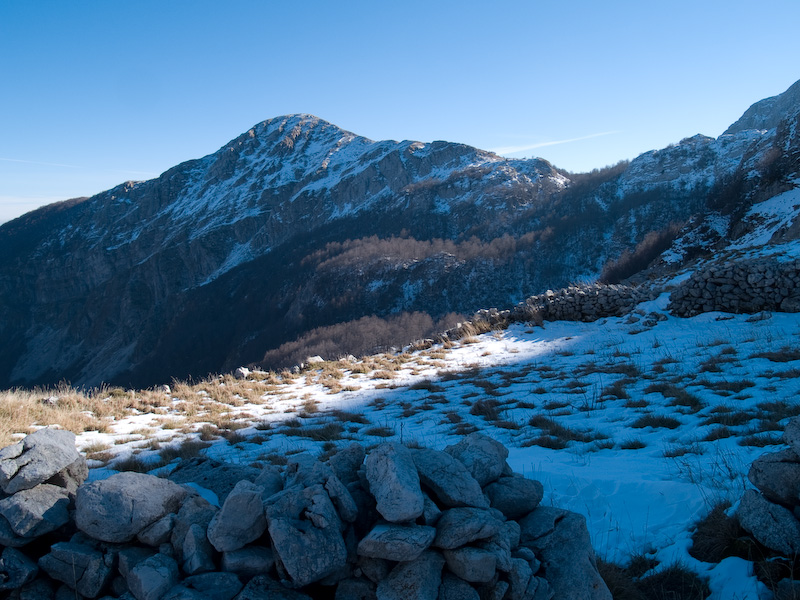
x: 630, y: 263
x: 656, y: 421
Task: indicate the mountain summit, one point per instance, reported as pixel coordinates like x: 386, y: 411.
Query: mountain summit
x: 299, y: 234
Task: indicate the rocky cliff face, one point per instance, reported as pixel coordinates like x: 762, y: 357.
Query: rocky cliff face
x: 297, y: 224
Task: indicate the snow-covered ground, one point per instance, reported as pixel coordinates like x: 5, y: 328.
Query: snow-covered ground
x: 708, y: 384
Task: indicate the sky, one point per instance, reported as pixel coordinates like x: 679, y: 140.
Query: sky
x: 95, y: 93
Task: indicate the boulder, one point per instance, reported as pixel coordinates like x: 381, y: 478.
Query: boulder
x: 81, y: 567
x: 471, y: 564
x: 519, y: 577
x: 215, y: 586
x: 791, y: 434
x: 248, y: 561
x: 129, y: 557
x: 448, y: 479
x: 515, y: 497
x: 241, y: 519
x: 118, y: 508
x: 271, y: 479
x: 777, y: 475
x: 460, y: 526
x: 159, y: 532
x: 16, y: 569
x: 483, y: 457
x: 33, y: 512
x: 453, y: 588
x: 560, y: 539
x: 263, y: 587
x: 219, y: 477
x: 194, y: 511
x: 152, y: 578
x: 196, y: 551
x: 39, y: 457
x: 306, y: 533
x: 346, y: 462
x: 394, y: 483
x: 771, y: 524
x: 419, y: 579
x: 355, y: 589
x: 396, y: 542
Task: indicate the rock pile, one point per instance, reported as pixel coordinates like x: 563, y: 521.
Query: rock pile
x: 397, y: 523
x: 746, y: 286
x: 770, y: 513
x: 587, y: 302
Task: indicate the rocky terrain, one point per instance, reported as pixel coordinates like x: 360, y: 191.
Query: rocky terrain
x: 297, y: 228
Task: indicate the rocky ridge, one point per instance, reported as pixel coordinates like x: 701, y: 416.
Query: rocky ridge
x: 297, y: 225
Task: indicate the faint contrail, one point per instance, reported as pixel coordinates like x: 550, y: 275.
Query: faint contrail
x: 34, y: 162
x: 512, y: 149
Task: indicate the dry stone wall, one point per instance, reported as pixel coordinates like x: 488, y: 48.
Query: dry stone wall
x: 745, y: 286
x: 396, y: 523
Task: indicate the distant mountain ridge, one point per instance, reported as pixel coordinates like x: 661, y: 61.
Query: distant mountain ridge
x: 298, y: 225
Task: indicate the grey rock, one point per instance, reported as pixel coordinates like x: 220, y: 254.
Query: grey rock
x: 484, y: 457
x: 539, y: 589
x: 454, y: 588
x: 271, y: 479
x: 265, y: 588
x: 777, y: 475
x: 181, y: 592
x: 448, y: 479
x: 34, y: 512
x: 355, y: 589
x: 471, y: 564
x: 214, y: 475
x: 128, y: 558
x: 152, y: 578
x: 16, y: 569
x: 117, y: 508
x: 79, y: 566
x: 241, y: 519
x: 215, y: 586
x: 38, y: 589
x: 40, y: 456
x: 519, y: 577
x: 8, y: 538
x: 306, y: 533
x: 566, y: 553
x: 396, y: 542
x: 194, y: 511
x: 495, y: 591
x: 770, y: 524
x: 248, y: 561
x: 375, y: 569
x: 528, y: 556
x: 307, y: 471
x: 72, y: 476
x: 419, y: 579
x: 159, y: 532
x: 196, y: 551
x: 515, y: 497
x: 394, y: 483
x: 791, y: 434
x: 430, y: 512
x: 346, y: 462
x: 460, y: 526
x: 539, y: 523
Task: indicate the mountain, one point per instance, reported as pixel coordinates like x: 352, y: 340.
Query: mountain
x: 298, y: 235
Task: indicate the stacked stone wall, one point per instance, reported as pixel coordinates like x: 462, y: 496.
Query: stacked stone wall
x: 393, y: 524
x: 745, y: 286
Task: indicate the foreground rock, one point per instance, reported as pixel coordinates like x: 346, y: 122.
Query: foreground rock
x: 389, y: 525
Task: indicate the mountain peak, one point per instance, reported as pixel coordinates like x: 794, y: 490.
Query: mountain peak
x: 768, y: 113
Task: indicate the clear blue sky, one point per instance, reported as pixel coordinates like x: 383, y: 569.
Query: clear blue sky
x: 94, y: 93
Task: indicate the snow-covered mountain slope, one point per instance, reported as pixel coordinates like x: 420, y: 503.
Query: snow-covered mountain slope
x: 298, y: 225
